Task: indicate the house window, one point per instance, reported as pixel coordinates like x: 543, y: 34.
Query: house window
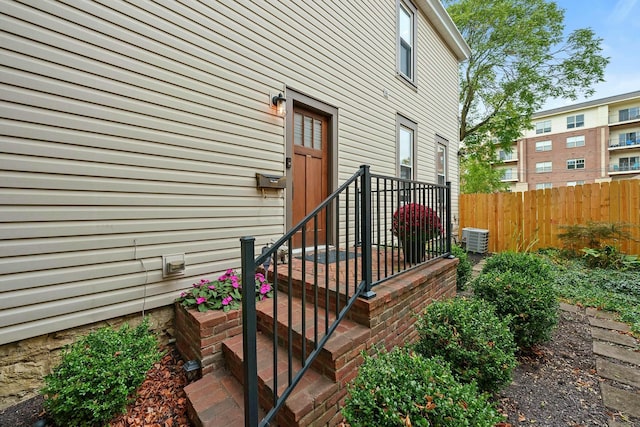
x: 543, y: 127
x: 543, y: 185
x: 441, y: 164
x: 543, y: 146
x: 574, y: 183
x: 406, y: 40
x: 629, y: 114
x: 575, y: 164
x: 576, y: 121
x: 575, y: 141
x: 543, y: 167
x: 406, y: 147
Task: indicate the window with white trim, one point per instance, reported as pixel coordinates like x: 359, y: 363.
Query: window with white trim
x: 543, y: 127
x: 543, y: 146
x: 576, y: 121
x: 441, y: 164
x: 543, y: 167
x: 406, y: 137
x: 543, y: 185
x: 575, y: 164
x: 575, y: 141
x: 406, y: 40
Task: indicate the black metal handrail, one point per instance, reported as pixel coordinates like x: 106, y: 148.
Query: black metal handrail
x: 341, y: 233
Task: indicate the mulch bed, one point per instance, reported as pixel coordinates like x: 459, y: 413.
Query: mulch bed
x: 161, y: 401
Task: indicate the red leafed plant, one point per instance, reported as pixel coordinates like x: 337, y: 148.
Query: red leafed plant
x: 414, y: 221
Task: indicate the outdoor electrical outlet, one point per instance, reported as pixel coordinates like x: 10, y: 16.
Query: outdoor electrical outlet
x: 173, y: 265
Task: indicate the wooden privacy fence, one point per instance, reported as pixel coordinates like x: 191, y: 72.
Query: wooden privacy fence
x: 532, y: 219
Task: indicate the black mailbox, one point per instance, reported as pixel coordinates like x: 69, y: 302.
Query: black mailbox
x: 271, y: 181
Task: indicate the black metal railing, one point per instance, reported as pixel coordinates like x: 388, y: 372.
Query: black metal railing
x: 370, y: 229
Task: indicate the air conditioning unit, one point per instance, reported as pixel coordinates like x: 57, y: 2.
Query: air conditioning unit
x: 476, y: 240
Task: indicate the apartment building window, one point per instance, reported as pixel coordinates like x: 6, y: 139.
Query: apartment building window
x: 543, y: 146
x: 543, y: 127
x: 628, y: 164
x: 504, y: 155
x: 575, y: 141
x: 509, y: 174
x: 574, y: 183
x: 543, y: 185
x: 576, y: 121
x: 575, y: 164
x: 543, y: 167
x: 406, y: 40
x: 628, y: 138
x: 629, y: 114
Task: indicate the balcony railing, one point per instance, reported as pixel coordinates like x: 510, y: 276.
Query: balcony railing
x: 617, y: 143
x: 624, y: 168
x: 359, y: 224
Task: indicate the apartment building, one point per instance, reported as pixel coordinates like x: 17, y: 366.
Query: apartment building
x: 587, y: 142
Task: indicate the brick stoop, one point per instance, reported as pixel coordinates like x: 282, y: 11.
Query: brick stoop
x: 383, y: 321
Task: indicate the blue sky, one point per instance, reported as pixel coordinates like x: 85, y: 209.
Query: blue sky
x: 617, y: 22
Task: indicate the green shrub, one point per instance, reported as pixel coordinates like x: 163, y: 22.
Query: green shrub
x: 97, y: 375
x: 530, y: 265
x: 399, y: 387
x: 610, y: 257
x: 592, y: 235
x: 470, y: 336
x: 528, y: 300
x: 464, y: 267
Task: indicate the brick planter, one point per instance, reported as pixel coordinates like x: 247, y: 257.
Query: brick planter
x: 199, y: 335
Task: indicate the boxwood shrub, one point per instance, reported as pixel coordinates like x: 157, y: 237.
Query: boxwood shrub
x: 528, y: 264
x: 402, y: 388
x: 463, y: 269
x: 468, y: 334
x: 98, y: 374
x: 528, y: 300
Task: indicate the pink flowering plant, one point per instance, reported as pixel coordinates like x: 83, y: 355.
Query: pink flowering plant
x: 222, y: 294
x: 414, y: 221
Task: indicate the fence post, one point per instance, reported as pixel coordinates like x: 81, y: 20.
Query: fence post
x: 249, y: 328
x: 448, y: 214
x: 365, y: 227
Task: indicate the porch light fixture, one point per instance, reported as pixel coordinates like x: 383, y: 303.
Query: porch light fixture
x: 280, y: 103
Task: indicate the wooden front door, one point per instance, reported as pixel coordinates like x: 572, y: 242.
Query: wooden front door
x: 310, y: 172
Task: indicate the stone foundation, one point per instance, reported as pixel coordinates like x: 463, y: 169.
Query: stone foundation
x: 24, y: 364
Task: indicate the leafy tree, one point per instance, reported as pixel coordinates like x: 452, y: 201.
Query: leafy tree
x: 479, y: 176
x: 519, y: 59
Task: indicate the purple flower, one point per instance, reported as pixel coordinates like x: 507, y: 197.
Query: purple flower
x: 234, y: 282
x: 222, y: 278
x: 226, y: 300
x: 183, y: 294
x: 260, y: 277
x: 265, y: 288
x: 204, y: 281
x: 212, y: 287
x: 230, y: 272
x: 200, y: 300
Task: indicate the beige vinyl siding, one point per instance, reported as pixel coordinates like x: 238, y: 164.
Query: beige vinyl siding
x: 130, y: 130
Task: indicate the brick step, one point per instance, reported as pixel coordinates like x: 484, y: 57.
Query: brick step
x: 314, y: 398
x: 343, y: 347
x: 215, y: 400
